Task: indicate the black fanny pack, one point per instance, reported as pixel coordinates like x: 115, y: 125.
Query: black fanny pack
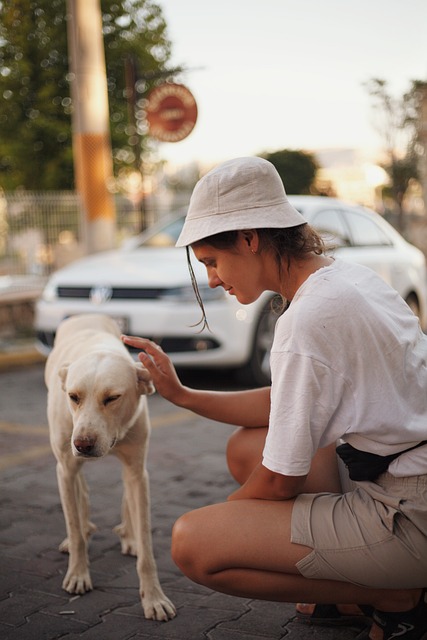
x: 363, y: 465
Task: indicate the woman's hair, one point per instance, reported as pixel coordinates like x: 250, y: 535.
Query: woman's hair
x: 285, y: 244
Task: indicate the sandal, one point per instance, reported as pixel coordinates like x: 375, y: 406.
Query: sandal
x: 406, y: 625
x: 329, y: 615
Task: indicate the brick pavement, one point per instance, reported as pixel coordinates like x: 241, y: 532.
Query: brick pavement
x: 187, y: 470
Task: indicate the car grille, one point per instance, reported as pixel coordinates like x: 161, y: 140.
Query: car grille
x: 117, y: 293
x: 168, y: 344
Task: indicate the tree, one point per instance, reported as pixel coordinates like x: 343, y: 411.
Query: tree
x: 397, y: 124
x: 35, y: 112
x: 296, y: 168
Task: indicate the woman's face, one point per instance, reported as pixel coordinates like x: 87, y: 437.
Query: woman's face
x: 237, y: 269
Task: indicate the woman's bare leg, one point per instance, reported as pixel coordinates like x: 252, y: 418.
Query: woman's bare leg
x: 244, y: 451
x: 247, y: 564
x: 243, y: 548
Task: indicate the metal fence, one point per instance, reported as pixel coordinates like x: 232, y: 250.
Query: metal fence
x: 43, y: 231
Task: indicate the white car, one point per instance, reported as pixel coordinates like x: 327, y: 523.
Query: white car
x: 146, y: 286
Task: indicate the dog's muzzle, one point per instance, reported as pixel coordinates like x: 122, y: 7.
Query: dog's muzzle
x: 86, y: 447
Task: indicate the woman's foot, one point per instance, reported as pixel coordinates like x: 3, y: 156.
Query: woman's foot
x: 405, y: 625
x: 333, y: 614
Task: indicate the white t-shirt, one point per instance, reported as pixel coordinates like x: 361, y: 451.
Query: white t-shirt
x: 348, y: 361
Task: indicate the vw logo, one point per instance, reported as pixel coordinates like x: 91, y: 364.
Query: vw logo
x: 101, y: 294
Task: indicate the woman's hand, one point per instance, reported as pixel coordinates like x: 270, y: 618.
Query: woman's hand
x: 242, y: 408
x: 161, y: 369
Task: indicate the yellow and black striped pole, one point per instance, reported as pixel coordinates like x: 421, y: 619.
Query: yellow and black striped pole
x: 93, y: 164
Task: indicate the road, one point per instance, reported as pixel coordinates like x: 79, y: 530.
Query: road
x: 187, y: 469
x: 23, y: 422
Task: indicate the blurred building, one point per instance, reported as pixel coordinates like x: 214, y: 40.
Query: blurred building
x: 351, y: 175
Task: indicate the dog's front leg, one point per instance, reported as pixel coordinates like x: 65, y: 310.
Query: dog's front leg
x: 155, y: 603
x: 77, y: 578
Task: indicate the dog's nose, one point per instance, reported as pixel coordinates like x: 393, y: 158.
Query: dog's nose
x: 85, y: 446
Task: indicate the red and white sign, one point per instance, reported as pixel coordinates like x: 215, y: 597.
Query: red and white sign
x: 171, y: 112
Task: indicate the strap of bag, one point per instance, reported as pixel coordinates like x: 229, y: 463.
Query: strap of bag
x: 363, y: 465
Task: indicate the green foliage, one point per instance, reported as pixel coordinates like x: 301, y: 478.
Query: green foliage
x: 136, y: 44
x: 35, y: 105
x: 397, y: 123
x: 34, y: 110
x: 296, y: 168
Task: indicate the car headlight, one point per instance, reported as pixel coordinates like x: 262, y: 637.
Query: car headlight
x: 49, y: 292
x: 186, y: 294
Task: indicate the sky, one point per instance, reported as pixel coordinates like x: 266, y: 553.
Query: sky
x: 288, y: 74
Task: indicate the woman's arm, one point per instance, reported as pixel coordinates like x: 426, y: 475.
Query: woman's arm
x: 249, y: 408
x: 264, y: 484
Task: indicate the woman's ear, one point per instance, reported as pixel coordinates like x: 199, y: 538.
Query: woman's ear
x: 251, y: 239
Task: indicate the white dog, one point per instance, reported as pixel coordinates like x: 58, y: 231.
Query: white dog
x: 96, y: 405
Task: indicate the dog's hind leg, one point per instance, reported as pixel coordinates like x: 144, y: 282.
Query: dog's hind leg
x: 87, y: 527
x: 125, y: 530
x: 73, y: 495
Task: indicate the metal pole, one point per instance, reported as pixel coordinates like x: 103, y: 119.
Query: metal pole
x: 93, y: 164
x: 423, y: 140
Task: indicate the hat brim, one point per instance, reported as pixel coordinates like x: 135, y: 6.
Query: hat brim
x: 276, y: 216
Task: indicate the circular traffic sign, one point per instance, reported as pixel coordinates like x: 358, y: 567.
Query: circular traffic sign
x: 171, y: 112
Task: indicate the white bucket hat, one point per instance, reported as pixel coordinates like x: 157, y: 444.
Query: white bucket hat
x: 244, y: 193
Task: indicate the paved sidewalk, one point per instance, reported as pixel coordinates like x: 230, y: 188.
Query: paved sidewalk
x: 18, y: 353
x: 187, y: 470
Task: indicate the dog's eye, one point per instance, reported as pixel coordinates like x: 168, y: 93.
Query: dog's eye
x: 110, y: 399
x: 74, y: 398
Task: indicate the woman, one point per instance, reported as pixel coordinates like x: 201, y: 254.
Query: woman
x: 348, y: 366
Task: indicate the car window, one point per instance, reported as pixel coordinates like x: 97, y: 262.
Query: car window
x: 331, y: 226
x: 365, y: 232
x: 167, y: 236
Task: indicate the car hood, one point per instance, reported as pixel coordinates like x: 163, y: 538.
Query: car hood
x: 146, y: 266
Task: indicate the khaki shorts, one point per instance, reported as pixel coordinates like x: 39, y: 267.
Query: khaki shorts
x: 374, y: 535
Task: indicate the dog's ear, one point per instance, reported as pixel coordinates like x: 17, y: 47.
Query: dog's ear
x: 62, y: 373
x: 145, y: 383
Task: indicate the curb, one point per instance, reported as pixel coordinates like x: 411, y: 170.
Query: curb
x: 20, y: 357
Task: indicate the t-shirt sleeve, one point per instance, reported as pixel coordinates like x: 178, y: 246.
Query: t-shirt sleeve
x: 306, y: 396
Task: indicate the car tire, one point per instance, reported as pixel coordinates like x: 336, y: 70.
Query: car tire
x: 256, y: 372
x: 412, y: 302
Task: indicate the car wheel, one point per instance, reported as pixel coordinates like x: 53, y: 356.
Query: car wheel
x: 257, y: 370
x: 413, y: 304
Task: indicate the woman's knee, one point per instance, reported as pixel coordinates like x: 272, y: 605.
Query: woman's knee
x: 234, y: 454
x: 198, y: 542
x: 244, y: 451
x: 184, y: 549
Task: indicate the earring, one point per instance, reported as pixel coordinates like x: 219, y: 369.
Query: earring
x: 254, y: 252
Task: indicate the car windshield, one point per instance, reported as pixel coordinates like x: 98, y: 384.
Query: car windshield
x: 166, y: 236
x: 332, y: 223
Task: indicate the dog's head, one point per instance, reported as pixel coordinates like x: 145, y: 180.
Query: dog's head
x: 104, y: 398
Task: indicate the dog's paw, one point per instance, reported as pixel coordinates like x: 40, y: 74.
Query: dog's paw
x: 157, y: 606
x: 128, y: 547
x: 127, y: 543
x: 64, y: 546
x: 77, y: 582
